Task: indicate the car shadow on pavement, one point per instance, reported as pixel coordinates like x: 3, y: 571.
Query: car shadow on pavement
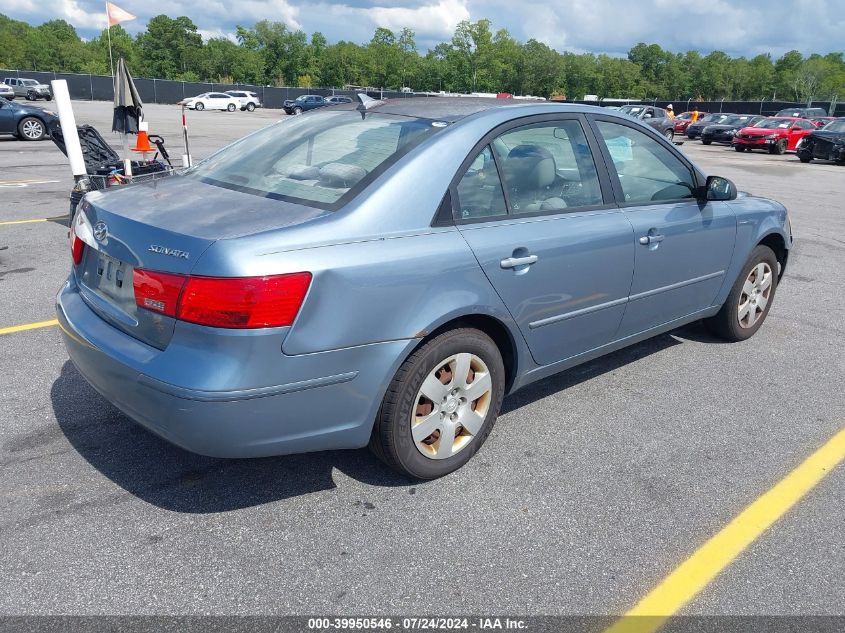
x: 174, y: 479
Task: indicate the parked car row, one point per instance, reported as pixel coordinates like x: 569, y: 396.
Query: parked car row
x: 230, y: 100
x: 811, y: 137
x: 29, y: 89
x: 304, y: 103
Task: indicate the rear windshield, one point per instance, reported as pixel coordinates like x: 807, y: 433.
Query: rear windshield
x: 321, y: 160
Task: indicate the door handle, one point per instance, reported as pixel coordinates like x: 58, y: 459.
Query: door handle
x: 645, y: 240
x: 513, y: 262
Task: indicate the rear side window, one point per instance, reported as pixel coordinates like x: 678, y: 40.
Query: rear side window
x: 321, y: 160
x: 648, y: 172
x: 480, y: 189
x: 548, y: 167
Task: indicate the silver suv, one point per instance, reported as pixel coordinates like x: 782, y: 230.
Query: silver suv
x: 29, y: 88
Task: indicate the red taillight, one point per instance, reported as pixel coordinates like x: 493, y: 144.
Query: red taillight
x: 156, y: 291
x: 227, y: 302
x: 244, y: 302
x: 77, y: 247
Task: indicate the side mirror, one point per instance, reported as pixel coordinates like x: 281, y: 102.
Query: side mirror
x: 719, y: 189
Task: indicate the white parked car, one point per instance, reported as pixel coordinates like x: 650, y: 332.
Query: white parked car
x: 212, y: 101
x: 7, y: 92
x: 248, y: 100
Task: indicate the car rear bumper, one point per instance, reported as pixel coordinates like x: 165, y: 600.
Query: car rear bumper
x: 320, y: 401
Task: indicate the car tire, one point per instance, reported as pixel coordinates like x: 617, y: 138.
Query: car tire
x: 297, y: 111
x: 250, y: 107
x: 670, y: 135
x: 393, y: 440
x: 739, y: 148
x: 741, y: 315
x: 31, y: 129
x: 231, y: 107
x: 804, y: 157
x: 199, y: 107
x: 778, y: 148
x: 706, y: 142
x: 30, y: 96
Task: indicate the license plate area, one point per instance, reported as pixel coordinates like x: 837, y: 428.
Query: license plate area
x: 113, y: 276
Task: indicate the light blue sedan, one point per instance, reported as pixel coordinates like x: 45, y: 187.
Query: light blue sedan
x: 386, y: 273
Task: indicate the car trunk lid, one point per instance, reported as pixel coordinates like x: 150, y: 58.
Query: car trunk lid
x: 162, y: 227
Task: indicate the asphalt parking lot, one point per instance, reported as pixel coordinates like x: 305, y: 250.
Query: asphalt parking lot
x: 594, y: 485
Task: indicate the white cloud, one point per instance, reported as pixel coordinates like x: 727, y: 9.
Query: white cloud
x: 433, y: 20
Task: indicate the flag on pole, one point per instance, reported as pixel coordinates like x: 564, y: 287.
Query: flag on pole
x: 117, y: 15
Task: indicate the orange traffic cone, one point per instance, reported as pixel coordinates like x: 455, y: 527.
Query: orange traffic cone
x: 143, y: 143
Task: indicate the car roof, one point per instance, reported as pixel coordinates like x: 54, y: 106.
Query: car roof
x: 453, y: 109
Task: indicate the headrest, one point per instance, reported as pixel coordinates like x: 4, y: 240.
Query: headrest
x: 529, y: 167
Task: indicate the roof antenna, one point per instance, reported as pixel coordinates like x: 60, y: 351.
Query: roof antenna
x: 367, y: 103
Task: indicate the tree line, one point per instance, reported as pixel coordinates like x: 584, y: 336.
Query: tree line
x: 476, y: 59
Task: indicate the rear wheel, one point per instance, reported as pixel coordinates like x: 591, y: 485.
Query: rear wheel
x: 199, y: 106
x: 231, y: 107
x: 250, y: 107
x: 31, y: 129
x: 440, y: 405
x: 750, y: 299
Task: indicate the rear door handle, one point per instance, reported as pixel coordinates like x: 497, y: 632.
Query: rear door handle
x: 645, y: 240
x: 513, y: 262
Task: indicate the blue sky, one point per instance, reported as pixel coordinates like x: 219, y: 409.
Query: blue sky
x: 612, y: 26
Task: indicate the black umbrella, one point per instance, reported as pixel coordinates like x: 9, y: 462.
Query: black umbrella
x: 128, y: 106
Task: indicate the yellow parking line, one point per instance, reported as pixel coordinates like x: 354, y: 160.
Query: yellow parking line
x: 23, y: 221
x: 694, y: 574
x: 27, y: 326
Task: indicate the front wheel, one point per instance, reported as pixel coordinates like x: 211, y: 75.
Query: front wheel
x: 31, y: 129
x: 231, y: 107
x: 779, y: 147
x: 31, y: 96
x: 706, y: 142
x: 804, y: 157
x: 441, y: 405
x: 670, y: 135
x: 739, y: 148
x: 297, y: 110
x: 750, y: 299
x: 250, y: 107
x: 199, y: 107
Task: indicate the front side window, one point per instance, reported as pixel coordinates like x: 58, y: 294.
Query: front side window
x: 648, y: 171
x: 480, y: 189
x: 548, y: 167
x: 321, y: 160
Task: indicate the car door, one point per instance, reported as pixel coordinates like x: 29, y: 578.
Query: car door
x: 7, y: 117
x: 797, y: 131
x: 537, y: 211
x: 683, y: 245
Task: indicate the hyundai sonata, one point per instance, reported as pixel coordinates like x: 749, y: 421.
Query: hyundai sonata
x: 385, y: 274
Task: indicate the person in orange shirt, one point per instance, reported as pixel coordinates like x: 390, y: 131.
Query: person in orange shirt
x: 670, y: 111
x: 694, y: 116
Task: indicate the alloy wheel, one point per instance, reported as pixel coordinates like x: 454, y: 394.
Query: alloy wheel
x: 33, y: 130
x: 755, y: 295
x: 451, y: 406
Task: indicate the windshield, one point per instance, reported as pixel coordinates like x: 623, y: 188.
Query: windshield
x: 301, y: 97
x: 632, y: 110
x: 320, y: 160
x: 29, y: 82
x: 774, y: 124
x: 835, y: 126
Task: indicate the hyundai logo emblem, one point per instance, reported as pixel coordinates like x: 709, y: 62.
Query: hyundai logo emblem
x: 100, y: 231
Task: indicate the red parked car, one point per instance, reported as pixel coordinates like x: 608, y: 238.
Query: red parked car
x: 821, y: 121
x: 775, y: 134
x: 683, y: 120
